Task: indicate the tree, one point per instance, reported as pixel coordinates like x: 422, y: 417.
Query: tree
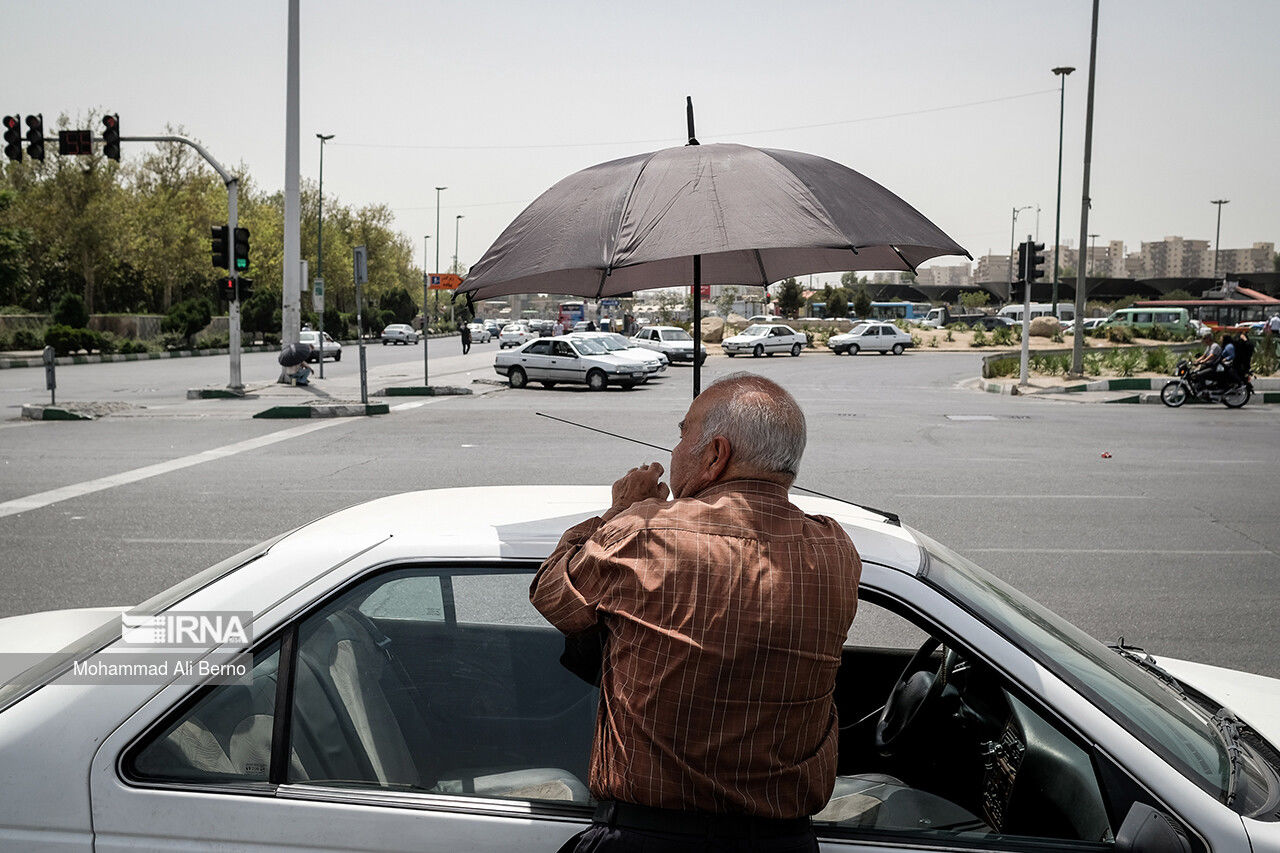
x: 837, y: 305
x: 13, y: 253
x: 187, y: 318
x: 1178, y: 294
x: 862, y: 302
x: 725, y: 301
x: 849, y: 279
x: 974, y: 299
x: 789, y: 298
x: 71, y: 311
x: 400, y: 304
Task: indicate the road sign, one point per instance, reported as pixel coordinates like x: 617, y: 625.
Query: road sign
x: 317, y: 296
x: 609, y: 303
x: 443, y: 281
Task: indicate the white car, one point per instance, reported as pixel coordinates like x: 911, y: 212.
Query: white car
x: 651, y: 362
x: 400, y: 693
x: 672, y: 341
x: 332, y: 349
x: 399, y: 333
x: 765, y: 339
x: 877, y: 336
x: 562, y: 359
x: 479, y: 333
x: 514, y: 335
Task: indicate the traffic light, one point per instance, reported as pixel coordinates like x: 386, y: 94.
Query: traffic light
x: 12, y: 138
x: 1035, y: 261
x: 245, y: 289
x: 227, y: 289
x: 111, y: 137
x: 220, y: 257
x: 35, y: 137
x: 241, y: 249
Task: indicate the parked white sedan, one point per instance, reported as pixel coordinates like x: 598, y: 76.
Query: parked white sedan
x: 765, y: 339
x: 332, y: 349
x: 514, y: 335
x: 400, y: 693
x: 652, y: 363
x: 672, y: 341
x: 552, y: 361
x: 878, y: 337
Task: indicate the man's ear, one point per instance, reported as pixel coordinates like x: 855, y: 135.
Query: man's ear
x: 719, y: 452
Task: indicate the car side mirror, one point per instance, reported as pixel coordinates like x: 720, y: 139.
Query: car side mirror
x: 1146, y: 830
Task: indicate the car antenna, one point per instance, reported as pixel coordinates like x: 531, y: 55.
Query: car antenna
x: 890, y: 517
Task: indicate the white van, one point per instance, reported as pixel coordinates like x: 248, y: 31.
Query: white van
x: 1013, y: 313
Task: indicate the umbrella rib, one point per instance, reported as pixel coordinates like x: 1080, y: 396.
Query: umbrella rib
x: 902, y: 258
x: 764, y: 277
x: 622, y: 216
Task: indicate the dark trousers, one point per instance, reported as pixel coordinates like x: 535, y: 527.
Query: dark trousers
x: 637, y: 829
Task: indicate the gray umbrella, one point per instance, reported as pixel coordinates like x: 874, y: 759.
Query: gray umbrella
x: 291, y: 355
x: 703, y: 215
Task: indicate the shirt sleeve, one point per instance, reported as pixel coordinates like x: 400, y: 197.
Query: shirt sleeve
x: 565, y: 589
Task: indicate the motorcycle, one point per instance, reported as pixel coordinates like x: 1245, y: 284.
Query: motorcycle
x: 1185, y: 386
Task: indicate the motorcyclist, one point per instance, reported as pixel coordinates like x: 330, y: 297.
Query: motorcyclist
x: 1206, y: 366
x: 1244, y: 356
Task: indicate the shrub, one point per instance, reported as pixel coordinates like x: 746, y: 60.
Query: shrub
x: 979, y: 338
x: 6, y: 341
x: 1159, y: 360
x: 171, y: 341
x: 103, y: 342
x: 71, y: 311
x: 950, y: 336
x: 1093, y: 364
x: 272, y: 339
x: 933, y: 341
x: 64, y: 339
x: 213, y: 341
x: 1057, y: 337
x: 1120, y: 334
x: 1001, y: 337
x: 188, y: 317
x: 1003, y: 367
x: 26, y: 339
x: 1126, y: 362
x: 131, y: 346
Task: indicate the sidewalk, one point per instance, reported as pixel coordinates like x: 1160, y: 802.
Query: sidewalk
x: 1145, y: 389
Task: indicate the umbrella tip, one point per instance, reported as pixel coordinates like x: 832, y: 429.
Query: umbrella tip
x: 688, y: 108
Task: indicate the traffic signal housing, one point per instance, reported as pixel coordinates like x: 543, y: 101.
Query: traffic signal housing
x: 241, y: 255
x: 220, y: 247
x: 1034, y: 261
x: 13, y: 138
x: 244, y: 289
x: 111, y: 137
x: 35, y: 137
x: 227, y: 289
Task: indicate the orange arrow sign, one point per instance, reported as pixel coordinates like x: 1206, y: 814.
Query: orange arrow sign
x: 443, y: 281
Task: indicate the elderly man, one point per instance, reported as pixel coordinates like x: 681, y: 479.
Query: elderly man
x: 724, y: 611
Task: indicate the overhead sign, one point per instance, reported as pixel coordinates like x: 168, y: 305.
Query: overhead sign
x: 609, y: 303
x: 443, y: 281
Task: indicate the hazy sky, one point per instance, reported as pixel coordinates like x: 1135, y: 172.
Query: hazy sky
x: 950, y: 104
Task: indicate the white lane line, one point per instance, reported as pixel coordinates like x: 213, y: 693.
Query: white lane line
x: 403, y: 406
x: 1187, y: 552
x: 244, y: 543
x: 124, y: 478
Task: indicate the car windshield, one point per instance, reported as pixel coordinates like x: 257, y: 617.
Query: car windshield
x: 619, y: 341
x: 608, y: 343
x: 755, y: 331
x: 675, y: 335
x: 1130, y: 695
x: 590, y: 347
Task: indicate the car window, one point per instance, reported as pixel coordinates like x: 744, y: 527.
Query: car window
x: 755, y: 330
x: 562, y: 348
x: 977, y: 764
x: 459, y: 692
x: 539, y: 347
x: 675, y: 335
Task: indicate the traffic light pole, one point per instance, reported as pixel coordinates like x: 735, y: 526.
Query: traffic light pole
x: 1027, y: 265
x: 233, y: 185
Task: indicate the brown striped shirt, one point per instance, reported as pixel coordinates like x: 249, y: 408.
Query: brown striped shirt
x: 725, y: 615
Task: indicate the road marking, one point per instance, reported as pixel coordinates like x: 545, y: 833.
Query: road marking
x: 124, y: 478
x: 404, y: 406
x: 1186, y: 552
x: 244, y: 543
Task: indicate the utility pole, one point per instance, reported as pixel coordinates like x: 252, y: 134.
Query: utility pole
x: 1012, y: 227
x: 320, y: 248
x: 1217, y: 237
x: 1062, y: 72
x: 1077, y: 342
x: 426, y: 371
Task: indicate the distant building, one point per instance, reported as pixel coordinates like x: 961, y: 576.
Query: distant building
x: 958, y: 275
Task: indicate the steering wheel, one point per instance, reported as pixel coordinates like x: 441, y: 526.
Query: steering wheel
x: 915, y: 689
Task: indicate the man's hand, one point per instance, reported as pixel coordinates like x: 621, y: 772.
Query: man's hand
x: 638, y: 484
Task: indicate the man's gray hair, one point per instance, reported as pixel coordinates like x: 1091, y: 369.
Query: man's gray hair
x: 763, y: 423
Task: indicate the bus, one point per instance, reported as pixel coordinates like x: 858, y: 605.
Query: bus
x: 913, y: 311
x: 1222, y: 313
x: 569, y: 313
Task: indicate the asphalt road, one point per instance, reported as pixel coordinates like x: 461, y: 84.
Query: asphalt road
x: 1172, y: 542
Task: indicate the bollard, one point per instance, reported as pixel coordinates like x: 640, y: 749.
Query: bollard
x: 50, y: 381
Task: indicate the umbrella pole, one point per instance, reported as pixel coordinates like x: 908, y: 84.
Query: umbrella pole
x: 697, y: 325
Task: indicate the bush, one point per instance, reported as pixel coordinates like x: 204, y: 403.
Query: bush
x: 1002, y: 337
x: 1003, y: 367
x: 26, y: 339
x: 131, y: 346
x: 949, y: 337
x: 64, y: 339
x: 979, y: 338
x: 1159, y: 360
x: 221, y: 341
x: 1127, y: 361
x: 171, y: 341
x: 1120, y: 334
x: 271, y: 339
x: 1093, y: 364
x: 187, y: 318
x: 104, y: 342
x: 933, y: 341
x: 71, y: 311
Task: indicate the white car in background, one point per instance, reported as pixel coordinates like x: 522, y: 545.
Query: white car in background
x: 399, y: 333
x: 651, y: 362
x: 876, y: 336
x: 425, y: 706
x: 765, y: 339
x: 332, y: 349
x: 479, y: 333
x: 562, y: 359
x: 514, y: 335
x: 672, y: 341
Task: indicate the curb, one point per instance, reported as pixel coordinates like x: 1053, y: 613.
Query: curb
x: 1149, y: 387
x: 349, y: 410
x: 51, y: 413
x: 422, y: 391
x: 217, y: 393
x: 7, y: 363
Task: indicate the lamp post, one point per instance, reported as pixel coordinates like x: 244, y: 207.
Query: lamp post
x: 1093, y: 248
x: 320, y: 244
x: 1013, y: 226
x: 437, y: 266
x: 1062, y: 72
x: 1218, y: 236
x: 426, y: 374
x: 457, y: 270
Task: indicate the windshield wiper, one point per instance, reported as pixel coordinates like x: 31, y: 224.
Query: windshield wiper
x: 1228, y: 727
x: 1147, y: 662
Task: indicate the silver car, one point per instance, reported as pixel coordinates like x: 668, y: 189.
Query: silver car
x: 875, y: 336
x: 399, y: 333
x: 672, y: 341
x: 332, y: 349
x: 765, y: 339
x: 652, y: 362
x: 390, y: 688
x: 552, y: 361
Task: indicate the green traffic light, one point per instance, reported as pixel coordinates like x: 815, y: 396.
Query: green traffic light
x: 242, y: 263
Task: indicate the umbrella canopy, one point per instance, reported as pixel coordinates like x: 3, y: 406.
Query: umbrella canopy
x: 753, y: 215
x: 291, y: 355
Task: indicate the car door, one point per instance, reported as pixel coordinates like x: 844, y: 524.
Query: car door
x: 565, y: 364
x: 422, y: 706
x: 779, y: 339
x: 535, y: 359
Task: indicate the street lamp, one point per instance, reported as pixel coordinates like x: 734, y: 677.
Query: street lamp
x: 1093, y: 248
x: 457, y: 270
x: 1219, y: 202
x: 320, y: 245
x: 426, y: 374
x: 1013, y: 226
x: 1062, y: 72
